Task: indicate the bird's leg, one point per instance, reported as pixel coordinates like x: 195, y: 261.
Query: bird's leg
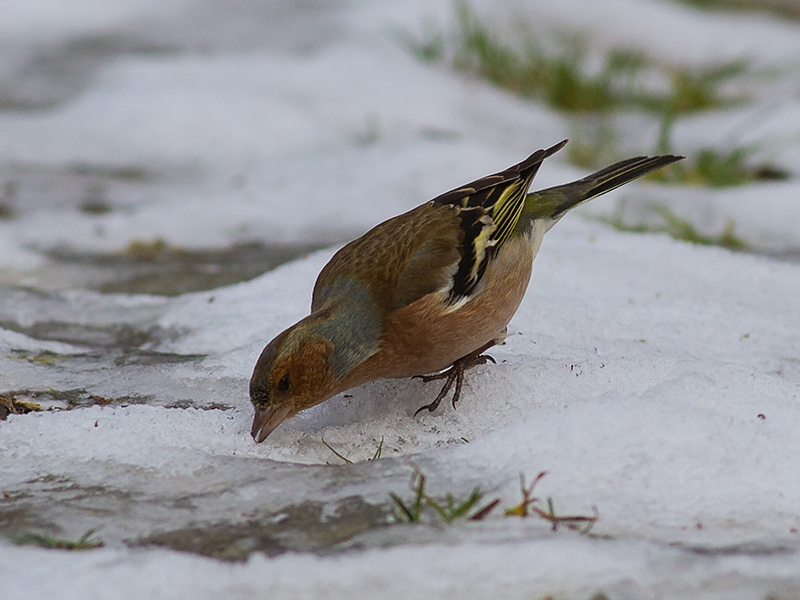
x: 455, y: 374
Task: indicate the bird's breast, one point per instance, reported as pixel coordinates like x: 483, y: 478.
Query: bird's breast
x: 425, y: 336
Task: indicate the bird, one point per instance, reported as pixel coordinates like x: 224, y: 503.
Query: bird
x: 423, y: 294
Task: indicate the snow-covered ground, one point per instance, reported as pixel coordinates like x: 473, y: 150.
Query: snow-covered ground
x: 656, y: 381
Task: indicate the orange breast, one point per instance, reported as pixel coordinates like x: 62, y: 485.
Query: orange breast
x: 422, y: 337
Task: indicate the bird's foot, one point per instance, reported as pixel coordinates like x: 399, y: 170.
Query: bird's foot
x: 455, y: 374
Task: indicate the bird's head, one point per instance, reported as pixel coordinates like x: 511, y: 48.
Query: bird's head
x: 291, y: 374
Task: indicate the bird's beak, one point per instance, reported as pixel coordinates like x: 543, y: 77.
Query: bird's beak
x: 266, y: 419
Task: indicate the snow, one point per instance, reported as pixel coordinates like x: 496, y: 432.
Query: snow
x: 655, y: 380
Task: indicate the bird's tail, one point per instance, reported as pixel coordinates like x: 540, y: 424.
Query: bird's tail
x: 555, y: 201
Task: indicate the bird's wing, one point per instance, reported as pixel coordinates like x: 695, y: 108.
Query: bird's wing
x: 398, y: 261
x: 444, y: 244
x: 490, y: 209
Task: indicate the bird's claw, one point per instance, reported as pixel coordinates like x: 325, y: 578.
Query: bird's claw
x: 435, y: 404
x: 455, y: 374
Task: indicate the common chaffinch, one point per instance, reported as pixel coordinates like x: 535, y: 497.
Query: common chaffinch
x: 426, y: 292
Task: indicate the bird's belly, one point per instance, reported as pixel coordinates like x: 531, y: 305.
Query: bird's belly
x: 424, y: 337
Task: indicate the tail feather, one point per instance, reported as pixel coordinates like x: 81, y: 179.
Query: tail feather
x: 621, y: 173
x: 555, y: 201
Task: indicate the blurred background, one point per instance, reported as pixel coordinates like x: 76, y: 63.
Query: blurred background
x: 166, y: 147
x: 157, y: 157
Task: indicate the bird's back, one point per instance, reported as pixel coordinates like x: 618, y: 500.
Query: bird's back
x: 444, y: 244
x: 400, y: 260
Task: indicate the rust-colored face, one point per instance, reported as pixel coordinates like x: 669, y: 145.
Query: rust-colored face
x: 291, y: 375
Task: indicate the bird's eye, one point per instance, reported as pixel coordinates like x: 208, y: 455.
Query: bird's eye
x: 283, y: 384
